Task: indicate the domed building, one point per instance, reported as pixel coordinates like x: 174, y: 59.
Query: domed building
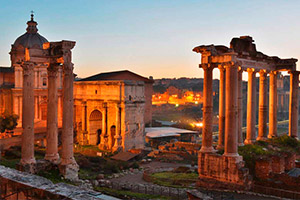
x: 11, y: 78
x: 111, y: 109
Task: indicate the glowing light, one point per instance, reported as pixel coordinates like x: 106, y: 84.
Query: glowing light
x: 177, y: 105
x: 196, y: 102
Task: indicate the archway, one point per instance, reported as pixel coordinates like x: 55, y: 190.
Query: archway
x: 112, y: 135
x: 95, y: 127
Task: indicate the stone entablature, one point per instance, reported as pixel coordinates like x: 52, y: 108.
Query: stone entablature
x: 241, y: 56
x: 110, y: 113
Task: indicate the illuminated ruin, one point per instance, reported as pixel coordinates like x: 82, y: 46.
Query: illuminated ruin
x: 214, y: 169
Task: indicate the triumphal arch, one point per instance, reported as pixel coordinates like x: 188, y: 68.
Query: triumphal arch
x: 227, y: 170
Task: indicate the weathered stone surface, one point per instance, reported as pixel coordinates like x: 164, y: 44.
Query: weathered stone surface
x: 216, y: 171
x: 43, y: 188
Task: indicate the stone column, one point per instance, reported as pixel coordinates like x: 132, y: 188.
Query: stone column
x: 231, y: 117
x: 103, y: 144
x: 207, y: 110
x: 68, y: 166
x: 221, y: 108
x: 293, y: 108
x: 117, y: 146
x: 27, y: 155
x: 52, y: 122
x: 251, y: 104
x: 240, y: 107
x: 263, y: 112
x: 273, y: 105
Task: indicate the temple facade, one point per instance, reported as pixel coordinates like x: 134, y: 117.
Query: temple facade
x: 228, y: 170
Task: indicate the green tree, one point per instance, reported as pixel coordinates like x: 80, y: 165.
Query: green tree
x: 8, y: 121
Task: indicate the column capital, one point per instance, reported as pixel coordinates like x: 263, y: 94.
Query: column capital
x: 207, y: 66
x: 263, y: 74
x: 221, y: 67
x: 231, y: 65
x: 273, y: 72
x: 251, y: 70
x: 28, y: 68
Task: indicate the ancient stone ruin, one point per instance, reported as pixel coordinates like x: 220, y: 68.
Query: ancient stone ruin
x: 57, y: 57
x: 227, y: 170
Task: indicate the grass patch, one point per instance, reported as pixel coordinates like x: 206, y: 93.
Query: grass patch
x: 130, y: 195
x: 172, y: 179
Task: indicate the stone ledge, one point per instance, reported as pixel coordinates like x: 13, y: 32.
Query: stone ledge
x: 42, y: 188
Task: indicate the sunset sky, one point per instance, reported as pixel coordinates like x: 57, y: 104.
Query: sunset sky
x: 152, y: 38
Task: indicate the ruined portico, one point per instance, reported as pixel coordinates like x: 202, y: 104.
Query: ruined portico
x: 215, y: 169
x: 56, y: 55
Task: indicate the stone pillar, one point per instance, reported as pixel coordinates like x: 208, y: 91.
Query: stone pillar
x: 68, y: 165
x: 251, y: 107
x: 117, y: 146
x: 52, y: 122
x: 27, y: 155
x: 221, y: 108
x: 231, y: 117
x: 103, y: 143
x: 240, y: 107
x: 293, y: 108
x: 273, y: 105
x: 207, y: 110
x: 263, y: 112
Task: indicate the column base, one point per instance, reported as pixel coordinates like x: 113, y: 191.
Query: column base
x: 247, y: 141
x: 27, y: 167
x: 219, y: 147
x: 261, y: 138
x: 70, y: 170
x: 271, y: 136
x: 53, y: 158
x: 207, y: 149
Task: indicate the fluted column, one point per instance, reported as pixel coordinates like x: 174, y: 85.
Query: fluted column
x: 263, y: 107
x: 221, y: 108
x: 27, y: 154
x: 251, y: 103
x: 293, y: 108
x: 207, y: 110
x: 240, y: 107
x: 52, y: 122
x: 273, y: 105
x: 231, y: 117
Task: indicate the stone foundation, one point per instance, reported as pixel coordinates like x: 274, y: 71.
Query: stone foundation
x: 222, y: 172
x: 69, y: 171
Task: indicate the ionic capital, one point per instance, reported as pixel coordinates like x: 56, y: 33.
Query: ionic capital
x: 230, y: 65
x: 263, y: 74
x: 251, y: 70
x: 207, y: 66
x: 274, y: 73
